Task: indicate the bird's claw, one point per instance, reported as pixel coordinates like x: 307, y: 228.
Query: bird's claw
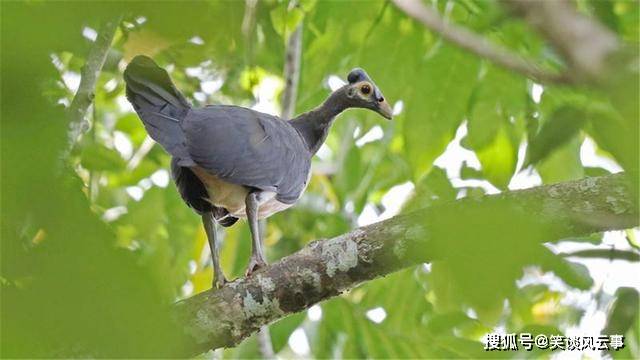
x: 254, y: 264
x: 218, y: 282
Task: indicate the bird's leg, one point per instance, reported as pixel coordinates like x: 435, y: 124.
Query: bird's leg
x: 257, y: 254
x: 212, y: 235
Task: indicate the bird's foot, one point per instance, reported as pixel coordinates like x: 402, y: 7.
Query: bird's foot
x: 218, y: 281
x: 255, y: 263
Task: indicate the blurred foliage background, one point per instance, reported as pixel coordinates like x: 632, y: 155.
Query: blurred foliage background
x: 95, y: 246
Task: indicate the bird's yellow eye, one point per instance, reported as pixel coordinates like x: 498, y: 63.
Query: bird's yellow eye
x: 365, y: 89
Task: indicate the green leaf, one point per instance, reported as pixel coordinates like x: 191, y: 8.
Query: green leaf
x: 432, y: 188
x: 286, y: 20
x: 128, y: 178
x: 444, y: 287
x: 282, y: 329
x: 494, y: 134
x: 563, y: 124
x: 467, y: 349
x: 499, y: 158
x: 616, y: 133
x: 563, y: 164
x: 247, y: 349
x: 467, y: 172
x: 595, y: 171
x: 604, y: 11
x: 350, y: 174
x: 500, y: 96
x: 131, y: 125
x: 623, y: 312
x: 307, y: 5
x: 97, y: 157
x: 147, y: 215
x: 436, y: 107
x: 573, y: 274
x: 346, y: 332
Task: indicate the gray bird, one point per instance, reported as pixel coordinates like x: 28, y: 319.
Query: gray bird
x: 230, y: 162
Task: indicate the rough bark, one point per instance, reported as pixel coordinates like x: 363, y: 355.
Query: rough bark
x: 77, y: 111
x: 326, y: 268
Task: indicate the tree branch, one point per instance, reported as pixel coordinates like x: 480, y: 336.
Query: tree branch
x: 608, y: 254
x: 77, y: 111
x: 477, y: 44
x: 584, y: 43
x: 292, y: 73
x: 326, y: 268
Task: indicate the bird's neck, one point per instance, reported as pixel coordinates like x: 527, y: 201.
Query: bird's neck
x: 314, y: 125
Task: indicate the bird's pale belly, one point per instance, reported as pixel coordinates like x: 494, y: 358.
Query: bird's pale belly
x: 232, y: 196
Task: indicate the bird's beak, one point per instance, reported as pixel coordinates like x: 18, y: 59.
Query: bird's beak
x: 385, y: 109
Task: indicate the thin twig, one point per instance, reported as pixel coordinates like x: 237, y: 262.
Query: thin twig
x: 585, y: 44
x: 248, y: 30
x: 143, y: 150
x: 477, y: 44
x: 292, y: 73
x: 609, y: 254
x: 249, y: 18
x: 94, y: 175
x: 78, y: 124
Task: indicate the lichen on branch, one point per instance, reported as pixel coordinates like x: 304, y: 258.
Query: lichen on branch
x: 326, y: 268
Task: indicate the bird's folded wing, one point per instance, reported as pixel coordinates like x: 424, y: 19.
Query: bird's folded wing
x: 248, y: 148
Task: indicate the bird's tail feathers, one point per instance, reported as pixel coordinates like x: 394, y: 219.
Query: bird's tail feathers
x: 159, y: 104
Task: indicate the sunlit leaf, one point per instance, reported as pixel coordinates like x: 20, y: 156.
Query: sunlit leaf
x: 499, y: 158
x: 439, y: 107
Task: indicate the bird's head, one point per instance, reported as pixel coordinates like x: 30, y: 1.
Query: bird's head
x: 363, y: 93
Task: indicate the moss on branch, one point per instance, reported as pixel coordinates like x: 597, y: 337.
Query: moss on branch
x: 326, y: 268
